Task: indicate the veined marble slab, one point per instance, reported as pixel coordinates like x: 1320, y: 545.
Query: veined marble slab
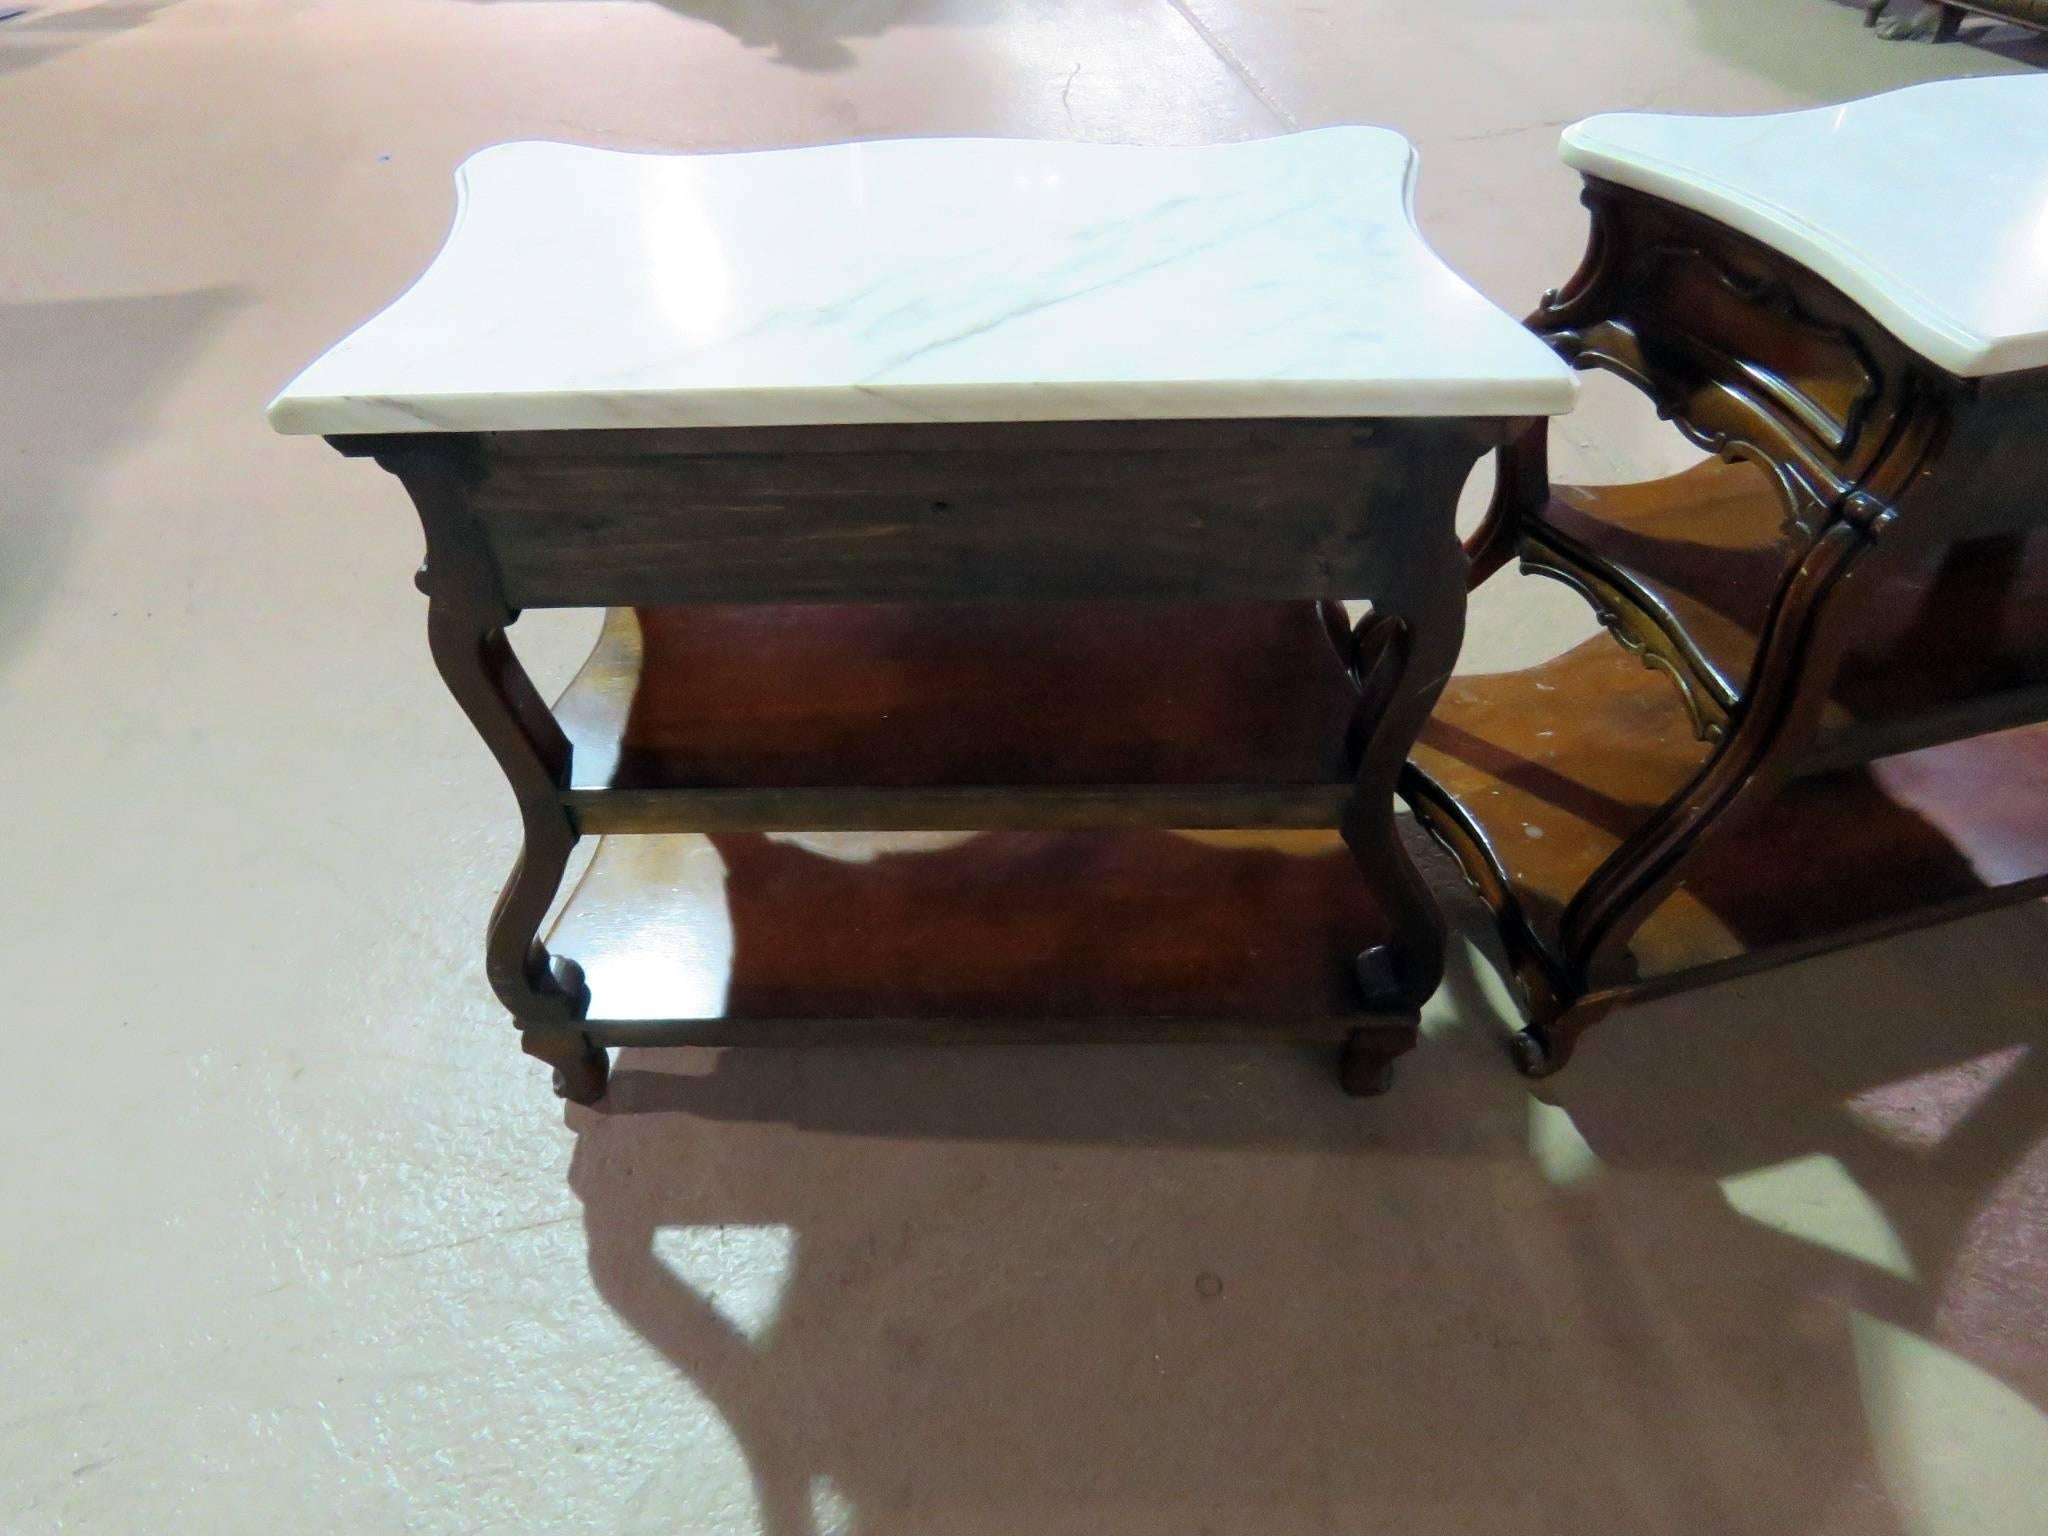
x: 1927, y: 206
x: 959, y: 280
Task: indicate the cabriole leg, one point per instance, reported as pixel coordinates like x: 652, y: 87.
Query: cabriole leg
x: 466, y: 619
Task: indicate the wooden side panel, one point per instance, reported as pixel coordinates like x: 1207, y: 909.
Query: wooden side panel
x: 1274, y: 517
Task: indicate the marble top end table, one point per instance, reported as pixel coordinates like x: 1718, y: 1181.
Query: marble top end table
x: 998, y: 497
x: 1837, y: 729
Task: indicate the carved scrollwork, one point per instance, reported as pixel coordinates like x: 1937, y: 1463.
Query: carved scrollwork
x: 1637, y: 634
x: 1561, y: 308
x: 1743, y: 352
x: 1841, y: 358
x: 1535, y: 969
x: 1787, y: 694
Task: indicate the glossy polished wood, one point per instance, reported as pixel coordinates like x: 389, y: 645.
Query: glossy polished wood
x: 1863, y: 583
x: 1103, y: 935
x: 1535, y: 778
x: 1950, y: 642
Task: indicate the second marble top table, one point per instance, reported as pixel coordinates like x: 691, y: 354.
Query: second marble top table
x: 1846, y: 730
x: 942, y: 488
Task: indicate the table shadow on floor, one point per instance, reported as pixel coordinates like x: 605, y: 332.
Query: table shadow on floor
x: 1195, y: 1288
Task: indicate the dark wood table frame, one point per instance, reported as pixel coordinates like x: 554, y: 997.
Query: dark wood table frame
x: 1855, y: 596
x: 1138, y: 519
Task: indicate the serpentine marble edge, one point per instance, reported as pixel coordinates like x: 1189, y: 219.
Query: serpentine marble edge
x: 954, y: 280
x: 1926, y: 206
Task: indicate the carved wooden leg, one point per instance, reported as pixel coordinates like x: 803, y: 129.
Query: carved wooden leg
x: 1401, y: 656
x: 1398, y: 976
x: 466, y: 619
x: 1789, y: 686
x: 476, y: 662
x: 1521, y: 487
x: 1546, y: 1043
x: 1401, y: 668
x: 535, y: 986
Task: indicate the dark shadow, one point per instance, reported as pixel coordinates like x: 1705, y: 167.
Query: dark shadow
x: 1195, y: 1288
x: 2022, y: 45
x: 1964, y: 621
x: 1882, y: 1058
x: 1855, y: 848
x: 1827, y: 858
x: 82, y: 379
x: 812, y: 34
x: 1036, y: 925
x: 39, y: 34
x: 1820, y: 49
x: 1993, y: 34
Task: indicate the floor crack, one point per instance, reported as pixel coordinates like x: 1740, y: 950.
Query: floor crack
x: 459, y: 1242
x: 1235, y: 65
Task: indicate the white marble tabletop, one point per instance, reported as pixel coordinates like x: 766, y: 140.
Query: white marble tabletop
x: 1927, y: 206
x: 960, y: 280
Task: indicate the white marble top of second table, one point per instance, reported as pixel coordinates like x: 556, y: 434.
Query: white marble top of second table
x: 960, y: 280
x: 1927, y: 206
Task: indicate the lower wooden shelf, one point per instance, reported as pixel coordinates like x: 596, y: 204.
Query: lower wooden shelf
x: 914, y: 716
x: 1532, y: 778
x: 1949, y: 645
x: 1139, y: 935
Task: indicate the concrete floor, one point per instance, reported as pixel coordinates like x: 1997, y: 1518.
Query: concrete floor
x: 292, y: 1238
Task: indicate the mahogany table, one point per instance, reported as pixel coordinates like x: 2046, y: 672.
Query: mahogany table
x: 1000, y: 489
x: 1835, y: 730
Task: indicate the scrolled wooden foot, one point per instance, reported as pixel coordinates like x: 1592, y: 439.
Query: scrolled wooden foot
x: 582, y: 1066
x: 1532, y: 1054
x: 1365, y: 1066
x: 1378, y: 971
x: 1546, y: 1046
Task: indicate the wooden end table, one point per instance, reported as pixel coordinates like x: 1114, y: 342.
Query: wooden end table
x: 1836, y: 728
x: 949, y: 486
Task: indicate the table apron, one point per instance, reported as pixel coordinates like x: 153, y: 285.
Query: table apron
x: 1273, y: 521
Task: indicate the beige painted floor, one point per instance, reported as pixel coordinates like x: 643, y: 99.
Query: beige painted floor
x: 293, y: 1240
